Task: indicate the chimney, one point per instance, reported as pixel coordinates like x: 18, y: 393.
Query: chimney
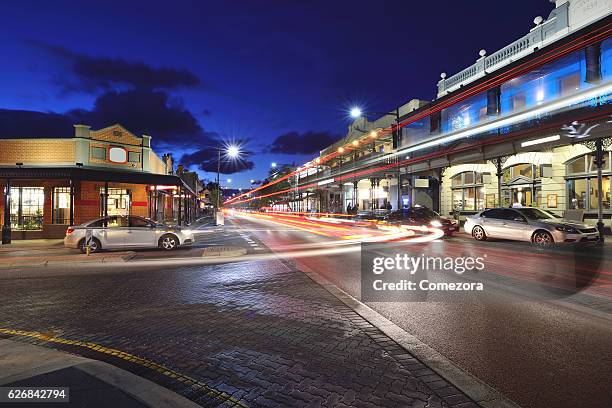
x: 179, y: 170
x: 82, y: 131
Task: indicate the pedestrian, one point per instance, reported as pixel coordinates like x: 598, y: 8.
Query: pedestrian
x: 388, y: 206
x: 349, y: 209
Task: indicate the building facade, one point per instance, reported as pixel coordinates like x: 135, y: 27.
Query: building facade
x: 529, y: 125
x: 49, y: 184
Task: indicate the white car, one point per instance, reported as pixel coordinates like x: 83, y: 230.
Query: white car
x: 119, y: 232
x: 527, y: 224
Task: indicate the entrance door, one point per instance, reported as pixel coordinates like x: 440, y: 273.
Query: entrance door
x: 522, y: 195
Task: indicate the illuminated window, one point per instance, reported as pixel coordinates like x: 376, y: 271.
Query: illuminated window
x: 61, y: 205
x: 27, y: 206
x: 468, y: 191
x: 582, y: 191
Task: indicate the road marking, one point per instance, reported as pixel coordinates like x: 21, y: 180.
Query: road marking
x: 195, y: 384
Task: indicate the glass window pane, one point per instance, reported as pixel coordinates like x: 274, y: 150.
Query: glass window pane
x: 577, y: 193
x: 61, y: 205
x: 468, y: 178
x: 27, y: 204
x: 456, y: 180
x: 480, y: 198
x: 577, y: 166
x: 458, y: 200
x: 594, y: 193
x: 468, y: 203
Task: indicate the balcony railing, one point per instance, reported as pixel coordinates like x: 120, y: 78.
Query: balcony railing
x: 540, y: 36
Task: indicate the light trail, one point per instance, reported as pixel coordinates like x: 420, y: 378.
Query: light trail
x: 450, y: 99
x: 606, y: 111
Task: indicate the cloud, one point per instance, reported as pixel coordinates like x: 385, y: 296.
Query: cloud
x: 105, y: 73
x: 207, y: 160
x: 140, y: 111
x: 30, y: 124
x: 306, y: 143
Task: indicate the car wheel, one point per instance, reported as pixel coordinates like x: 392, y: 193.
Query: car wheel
x: 478, y: 233
x: 94, y: 247
x: 168, y: 242
x: 542, y: 238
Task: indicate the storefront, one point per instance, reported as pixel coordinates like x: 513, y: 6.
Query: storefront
x: 48, y: 184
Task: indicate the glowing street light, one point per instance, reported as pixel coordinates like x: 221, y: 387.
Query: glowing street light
x: 252, y: 181
x: 355, y: 112
x: 273, y: 165
x: 233, y: 151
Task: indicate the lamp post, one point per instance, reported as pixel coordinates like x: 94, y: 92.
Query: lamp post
x: 232, y: 152
x: 356, y: 112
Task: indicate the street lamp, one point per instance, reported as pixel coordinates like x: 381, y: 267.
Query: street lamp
x: 356, y: 112
x: 233, y: 152
x: 273, y: 165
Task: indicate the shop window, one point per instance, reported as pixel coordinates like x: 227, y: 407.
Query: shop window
x: 594, y: 193
x: 582, y: 191
x: 27, y: 206
x: 61, y: 205
x: 134, y: 157
x: 467, y: 191
x: 118, y: 201
x: 577, y: 193
x: 98, y: 153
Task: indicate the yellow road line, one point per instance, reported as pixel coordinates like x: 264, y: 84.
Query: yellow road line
x: 195, y: 384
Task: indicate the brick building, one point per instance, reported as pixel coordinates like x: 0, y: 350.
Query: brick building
x: 48, y: 184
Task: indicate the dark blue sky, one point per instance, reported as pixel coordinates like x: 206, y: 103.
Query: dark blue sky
x: 190, y: 73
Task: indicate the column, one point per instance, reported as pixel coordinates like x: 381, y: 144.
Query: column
x: 375, y: 192
x: 180, y: 208
x: 6, y: 227
x: 599, y: 161
x: 372, y: 187
x: 498, y: 165
x: 71, y: 208
x: 105, y: 201
x: 355, y: 194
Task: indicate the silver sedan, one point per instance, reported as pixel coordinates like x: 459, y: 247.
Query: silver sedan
x: 527, y: 224
x: 118, y: 232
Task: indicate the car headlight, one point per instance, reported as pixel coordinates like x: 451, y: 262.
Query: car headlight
x: 435, y: 223
x: 567, y: 228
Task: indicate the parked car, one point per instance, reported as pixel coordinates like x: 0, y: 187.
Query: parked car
x: 119, y: 232
x: 528, y: 224
x: 423, y: 216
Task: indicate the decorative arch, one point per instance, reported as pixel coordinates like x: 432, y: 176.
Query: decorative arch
x: 536, y: 158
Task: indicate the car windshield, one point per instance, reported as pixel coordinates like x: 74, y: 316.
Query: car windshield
x: 535, y: 214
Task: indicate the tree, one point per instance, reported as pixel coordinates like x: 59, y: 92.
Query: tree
x: 213, y: 188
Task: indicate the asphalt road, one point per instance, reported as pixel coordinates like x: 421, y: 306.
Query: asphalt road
x: 541, y: 333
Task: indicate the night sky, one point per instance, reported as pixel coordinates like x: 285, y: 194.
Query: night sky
x: 275, y: 76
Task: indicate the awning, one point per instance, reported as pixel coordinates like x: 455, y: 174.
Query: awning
x: 93, y: 174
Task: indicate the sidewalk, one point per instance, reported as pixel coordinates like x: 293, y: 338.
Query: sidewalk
x: 91, y: 383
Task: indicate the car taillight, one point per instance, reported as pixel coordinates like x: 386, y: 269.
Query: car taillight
x: 69, y: 231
